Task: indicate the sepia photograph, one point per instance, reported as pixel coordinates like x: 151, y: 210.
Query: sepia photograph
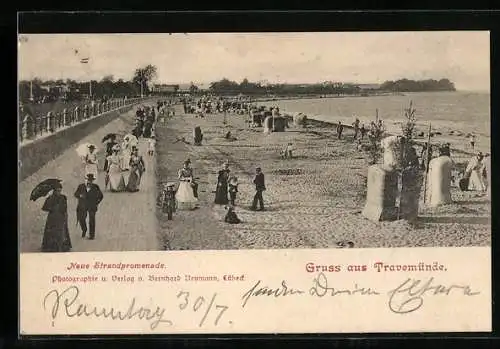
x: 251, y: 141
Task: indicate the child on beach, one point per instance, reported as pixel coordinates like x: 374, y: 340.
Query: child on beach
x: 233, y: 189
x: 152, y: 144
x: 340, y: 129
x: 362, y: 130
x: 472, y: 141
x: 231, y: 216
x: 287, y: 152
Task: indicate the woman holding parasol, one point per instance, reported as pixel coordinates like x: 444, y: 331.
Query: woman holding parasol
x: 110, y: 140
x: 56, y: 233
x: 128, y: 142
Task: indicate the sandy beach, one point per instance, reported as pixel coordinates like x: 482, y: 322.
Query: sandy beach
x: 312, y: 201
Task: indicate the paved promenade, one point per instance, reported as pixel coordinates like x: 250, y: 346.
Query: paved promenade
x: 124, y: 222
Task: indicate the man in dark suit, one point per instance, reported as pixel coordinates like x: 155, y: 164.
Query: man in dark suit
x: 260, y: 186
x: 89, y: 197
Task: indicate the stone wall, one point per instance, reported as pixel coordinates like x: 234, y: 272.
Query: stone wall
x: 34, y: 155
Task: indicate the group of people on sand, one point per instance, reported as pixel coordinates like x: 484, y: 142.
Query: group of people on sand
x: 226, y: 190
x: 476, y: 175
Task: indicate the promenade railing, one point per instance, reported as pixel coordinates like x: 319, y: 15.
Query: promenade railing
x: 33, y: 127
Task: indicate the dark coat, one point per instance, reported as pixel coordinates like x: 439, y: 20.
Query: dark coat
x: 221, y: 191
x: 88, y: 201
x: 231, y: 217
x: 56, y: 234
x: 259, y: 182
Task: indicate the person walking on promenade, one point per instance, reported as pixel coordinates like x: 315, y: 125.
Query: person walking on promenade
x: 340, y: 129
x: 109, y: 150
x: 260, y: 186
x: 56, y: 234
x: 91, y: 161
x: 89, y: 197
x: 151, y: 146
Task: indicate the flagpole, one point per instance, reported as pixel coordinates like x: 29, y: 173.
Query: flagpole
x: 427, y: 153
x: 31, y: 90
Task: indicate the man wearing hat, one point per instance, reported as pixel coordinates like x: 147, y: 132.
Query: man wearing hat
x: 89, y: 197
x: 260, y: 186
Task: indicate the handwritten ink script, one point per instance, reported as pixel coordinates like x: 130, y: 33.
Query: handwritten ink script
x: 68, y: 303
x: 405, y: 298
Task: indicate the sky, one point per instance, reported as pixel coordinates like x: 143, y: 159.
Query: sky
x: 360, y: 57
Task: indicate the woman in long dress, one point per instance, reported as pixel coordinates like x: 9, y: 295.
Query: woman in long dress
x: 56, y: 234
x: 474, y: 172
x: 221, y: 192
x: 137, y: 168
x: 185, y: 196
x: 91, y: 162
x: 126, y: 152
x: 115, y: 175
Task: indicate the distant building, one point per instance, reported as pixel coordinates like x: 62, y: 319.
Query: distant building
x: 368, y: 86
x: 184, y: 88
x: 55, y: 88
x: 164, y: 88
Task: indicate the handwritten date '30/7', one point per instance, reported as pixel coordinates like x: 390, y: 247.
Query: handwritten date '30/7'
x: 67, y: 303
x: 407, y: 297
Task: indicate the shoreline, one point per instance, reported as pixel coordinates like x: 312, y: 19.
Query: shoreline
x: 298, y: 97
x: 443, y: 133
x: 313, y: 200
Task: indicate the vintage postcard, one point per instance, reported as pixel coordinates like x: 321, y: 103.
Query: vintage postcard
x: 225, y: 183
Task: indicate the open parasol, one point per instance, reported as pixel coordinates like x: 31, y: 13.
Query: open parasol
x: 132, y: 140
x: 44, y: 187
x: 83, y: 149
x: 108, y: 137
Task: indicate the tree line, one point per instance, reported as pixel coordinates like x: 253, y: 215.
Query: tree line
x: 140, y: 84
x: 405, y: 85
x: 226, y: 86
x: 107, y: 87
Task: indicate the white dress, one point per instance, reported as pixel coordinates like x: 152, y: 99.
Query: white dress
x: 125, y: 156
x: 185, y: 197
x: 475, y: 171
x: 91, y: 164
